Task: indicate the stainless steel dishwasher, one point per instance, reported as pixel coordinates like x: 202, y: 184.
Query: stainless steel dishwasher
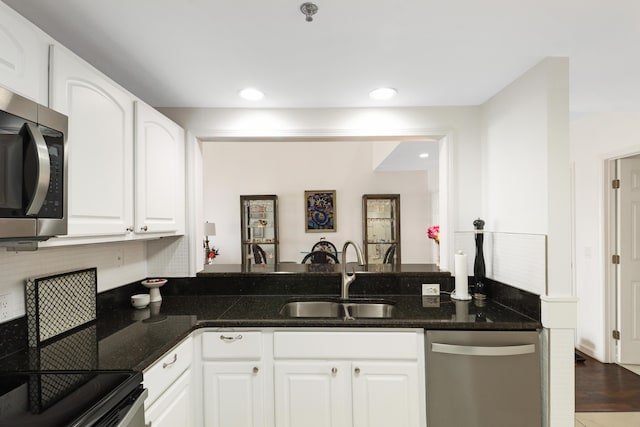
x: 483, y: 379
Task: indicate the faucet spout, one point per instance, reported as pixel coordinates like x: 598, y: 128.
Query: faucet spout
x: 347, y: 278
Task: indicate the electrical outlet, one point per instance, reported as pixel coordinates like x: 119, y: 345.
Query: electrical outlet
x: 4, y: 306
x: 430, y: 289
x: 119, y: 257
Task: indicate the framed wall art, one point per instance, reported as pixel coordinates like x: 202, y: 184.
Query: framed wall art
x: 320, y: 211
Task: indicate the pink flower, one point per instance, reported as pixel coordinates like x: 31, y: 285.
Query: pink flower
x: 433, y: 232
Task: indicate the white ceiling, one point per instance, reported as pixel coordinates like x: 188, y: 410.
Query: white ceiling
x: 406, y: 157
x: 200, y: 53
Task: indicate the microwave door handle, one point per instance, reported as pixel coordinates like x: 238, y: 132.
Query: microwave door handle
x: 44, y: 170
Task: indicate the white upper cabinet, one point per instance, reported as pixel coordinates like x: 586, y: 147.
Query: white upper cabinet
x: 160, y: 170
x: 100, y: 142
x: 23, y: 56
x: 106, y: 201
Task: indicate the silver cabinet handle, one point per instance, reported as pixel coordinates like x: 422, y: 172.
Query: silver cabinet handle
x: 167, y: 364
x: 469, y: 350
x: 357, y: 371
x: 144, y: 228
x: 334, y: 371
x: 230, y: 339
x: 44, y: 170
x: 255, y: 369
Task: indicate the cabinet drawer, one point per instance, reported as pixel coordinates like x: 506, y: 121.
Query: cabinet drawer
x: 346, y: 345
x: 167, y: 369
x: 232, y: 345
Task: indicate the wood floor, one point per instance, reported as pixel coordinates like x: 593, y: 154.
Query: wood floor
x: 606, y: 387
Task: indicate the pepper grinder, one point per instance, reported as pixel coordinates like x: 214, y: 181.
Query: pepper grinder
x: 479, y: 272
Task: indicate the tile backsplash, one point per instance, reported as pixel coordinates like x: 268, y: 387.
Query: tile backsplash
x: 117, y: 263
x: 516, y: 259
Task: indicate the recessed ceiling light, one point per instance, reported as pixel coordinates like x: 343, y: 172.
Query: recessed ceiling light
x: 423, y: 155
x: 383, y: 93
x: 251, y: 94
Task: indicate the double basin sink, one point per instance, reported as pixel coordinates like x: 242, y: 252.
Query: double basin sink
x: 339, y: 309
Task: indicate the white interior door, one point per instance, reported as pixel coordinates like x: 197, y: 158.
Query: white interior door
x: 629, y: 269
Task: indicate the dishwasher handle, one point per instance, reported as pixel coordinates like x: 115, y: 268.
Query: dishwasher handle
x: 471, y: 350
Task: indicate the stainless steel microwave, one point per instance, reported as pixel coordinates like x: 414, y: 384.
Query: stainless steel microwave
x: 33, y: 172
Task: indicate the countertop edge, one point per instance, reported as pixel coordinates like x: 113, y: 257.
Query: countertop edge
x: 315, y: 324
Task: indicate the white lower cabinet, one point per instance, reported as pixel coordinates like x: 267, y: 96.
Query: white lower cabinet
x: 386, y: 394
x: 312, y: 394
x: 237, y: 379
x: 234, y: 394
x: 175, y: 407
x: 338, y: 393
x: 313, y: 378
x: 172, y: 400
x: 349, y: 378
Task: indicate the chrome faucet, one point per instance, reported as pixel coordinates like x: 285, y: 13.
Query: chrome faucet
x: 347, y: 278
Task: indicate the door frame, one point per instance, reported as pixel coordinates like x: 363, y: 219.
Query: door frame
x: 610, y: 242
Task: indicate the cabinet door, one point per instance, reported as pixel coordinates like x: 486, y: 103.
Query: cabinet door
x: 312, y: 394
x: 24, y: 56
x: 160, y: 192
x: 234, y: 395
x: 100, y: 142
x: 386, y: 394
x: 175, y: 407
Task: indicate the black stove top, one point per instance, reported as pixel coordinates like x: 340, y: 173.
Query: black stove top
x: 64, y: 398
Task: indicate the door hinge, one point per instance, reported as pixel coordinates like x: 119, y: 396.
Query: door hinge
x: 616, y: 335
x: 615, y: 184
x: 615, y: 259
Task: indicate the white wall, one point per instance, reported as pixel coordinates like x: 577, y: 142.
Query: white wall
x: 596, y: 138
x: 515, y: 154
x: 461, y: 125
x: 288, y: 169
x: 526, y: 164
x: 527, y: 190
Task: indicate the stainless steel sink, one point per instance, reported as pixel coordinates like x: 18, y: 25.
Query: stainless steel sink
x: 311, y: 309
x: 349, y: 309
x: 371, y: 310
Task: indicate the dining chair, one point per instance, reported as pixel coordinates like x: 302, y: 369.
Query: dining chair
x: 320, y: 257
x: 259, y: 255
x: 389, y: 255
x: 325, y: 245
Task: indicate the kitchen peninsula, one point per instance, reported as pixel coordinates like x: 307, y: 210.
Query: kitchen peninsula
x: 201, y: 318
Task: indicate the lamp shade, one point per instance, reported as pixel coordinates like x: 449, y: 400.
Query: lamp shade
x: 209, y: 228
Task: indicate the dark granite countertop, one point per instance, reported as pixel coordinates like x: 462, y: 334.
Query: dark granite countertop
x: 126, y: 338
